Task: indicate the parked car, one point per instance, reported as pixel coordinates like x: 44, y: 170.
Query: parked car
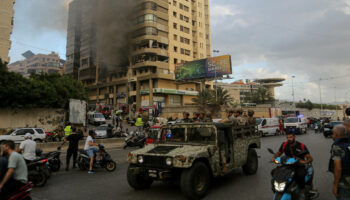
x: 96, y: 118
x: 328, y: 128
x: 268, y: 126
x: 296, y: 125
x: 101, y: 131
x: 17, y: 135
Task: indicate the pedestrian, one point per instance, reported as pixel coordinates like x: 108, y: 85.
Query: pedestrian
x: 17, y: 172
x: 72, y: 150
x: 339, y: 163
x: 27, y: 148
x: 139, y: 123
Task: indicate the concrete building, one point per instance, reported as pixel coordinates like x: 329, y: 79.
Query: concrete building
x: 6, y: 25
x: 240, y: 90
x: 39, y: 63
x: 164, y: 33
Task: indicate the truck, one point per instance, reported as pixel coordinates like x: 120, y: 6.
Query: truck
x: 77, y: 112
x: 193, y: 153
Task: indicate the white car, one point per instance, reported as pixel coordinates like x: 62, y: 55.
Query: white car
x: 101, y: 131
x: 96, y: 118
x: 296, y: 125
x: 17, y: 135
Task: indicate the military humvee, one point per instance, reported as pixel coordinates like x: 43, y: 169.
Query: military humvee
x: 193, y: 153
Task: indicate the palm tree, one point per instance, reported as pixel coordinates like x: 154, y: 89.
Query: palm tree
x: 208, y: 102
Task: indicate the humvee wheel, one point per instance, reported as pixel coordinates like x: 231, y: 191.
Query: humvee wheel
x: 195, y: 181
x: 251, y: 166
x: 137, y: 181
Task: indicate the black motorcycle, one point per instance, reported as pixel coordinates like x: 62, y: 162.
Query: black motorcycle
x: 106, y: 160
x: 135, y: 141
x: 54, y: 160
x: 38, y: 172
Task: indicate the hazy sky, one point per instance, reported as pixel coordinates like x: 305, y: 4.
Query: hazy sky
x: 272, y: 38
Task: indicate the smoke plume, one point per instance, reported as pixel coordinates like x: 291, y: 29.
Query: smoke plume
x: 114, y: 22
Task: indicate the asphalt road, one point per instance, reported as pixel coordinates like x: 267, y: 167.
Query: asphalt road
x: 77, y: 184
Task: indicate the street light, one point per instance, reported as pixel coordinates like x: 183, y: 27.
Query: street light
x: 216, y: 87
x: 293, y: 88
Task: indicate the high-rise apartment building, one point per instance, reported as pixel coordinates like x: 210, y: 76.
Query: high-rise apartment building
x: 6, y: 25
x: 164, y: 33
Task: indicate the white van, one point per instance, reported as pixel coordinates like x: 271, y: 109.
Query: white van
x: 96, y: 118
x: 268, y: 126
x: 296, y: 125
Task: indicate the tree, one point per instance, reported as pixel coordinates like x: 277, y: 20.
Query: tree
x: 207, y: 101
x: 44, y: 90
x: 259, y: 96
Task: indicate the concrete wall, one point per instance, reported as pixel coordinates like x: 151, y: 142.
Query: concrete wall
x: 334, y: 114
x: 45, y: 118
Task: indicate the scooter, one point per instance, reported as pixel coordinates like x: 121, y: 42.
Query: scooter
x: 22, y: 193
x: 283, y: 181
x: 135, y: 140
x: 106, y: 160
x: 38, y: 172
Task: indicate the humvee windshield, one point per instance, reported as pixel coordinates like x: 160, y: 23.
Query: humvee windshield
x: 194, y: 135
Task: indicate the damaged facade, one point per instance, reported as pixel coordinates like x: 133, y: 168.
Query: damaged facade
x: 136, y: 64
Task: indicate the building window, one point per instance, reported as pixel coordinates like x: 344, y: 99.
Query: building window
x: 174, y: 14
x: 146, y: 18
x: 175, y: 37
x: 175, y: 49
x: 175, y: 100
x: 175, y: 25
x: 175, y: 60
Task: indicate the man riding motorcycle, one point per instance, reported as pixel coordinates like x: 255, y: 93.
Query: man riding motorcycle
x: 293, y: 148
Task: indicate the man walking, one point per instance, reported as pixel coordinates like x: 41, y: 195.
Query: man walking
x: 339, y: 163
x: 27, y: 148
x: 72, y: 150
x: 17, y: 173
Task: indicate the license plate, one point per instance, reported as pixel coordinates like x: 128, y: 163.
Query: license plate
x: 152, y: 173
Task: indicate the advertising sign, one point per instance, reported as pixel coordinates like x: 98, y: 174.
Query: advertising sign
x: 204, y: 68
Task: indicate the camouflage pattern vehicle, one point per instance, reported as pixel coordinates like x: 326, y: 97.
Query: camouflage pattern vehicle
x: 193, y: 153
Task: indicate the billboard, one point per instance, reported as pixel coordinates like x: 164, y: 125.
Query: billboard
x: 204, y: 68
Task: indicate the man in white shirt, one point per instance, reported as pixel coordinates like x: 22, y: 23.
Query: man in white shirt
x: 91, y: 150
x: 28, y: 147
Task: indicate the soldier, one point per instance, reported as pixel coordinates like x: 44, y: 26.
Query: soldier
x: 241, y: 120
x: 229, y: 116
x: 251, y: 118
x: 201, y: 117
x: 195, y: 117
x: 208, y: 118
x: 186, y: 118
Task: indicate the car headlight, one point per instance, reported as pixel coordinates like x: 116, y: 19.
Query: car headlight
x: 279, y: 187
x: 140, y: 159
x: 169, y: 161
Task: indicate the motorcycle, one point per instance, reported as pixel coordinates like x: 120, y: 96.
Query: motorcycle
x: 135, y: 140
x: 283, y: 180
x: 54, y: 160
x: 38, y: 172
x: 22, y: 193
x: 106, y: 160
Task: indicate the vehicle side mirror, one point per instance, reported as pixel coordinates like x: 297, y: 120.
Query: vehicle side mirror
x: 270, y: 150
x: 13, y: 134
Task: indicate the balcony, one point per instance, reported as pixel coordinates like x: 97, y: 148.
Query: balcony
x: 158, y: 38
x: 158, y: 64
x: 158, y: 51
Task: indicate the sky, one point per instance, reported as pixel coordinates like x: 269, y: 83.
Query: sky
x: 308, y: 40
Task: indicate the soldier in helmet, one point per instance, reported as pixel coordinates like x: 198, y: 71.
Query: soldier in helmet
x: 201, y: 117
x: 241, y: 120
x: 186, y: 118
x: 229, y: 116
x: 251, y: 118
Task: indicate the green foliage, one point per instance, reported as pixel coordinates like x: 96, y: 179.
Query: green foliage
x: 309, y: 105
x: 44, y: 90
x: 259, y: 96
x: 208, y: 102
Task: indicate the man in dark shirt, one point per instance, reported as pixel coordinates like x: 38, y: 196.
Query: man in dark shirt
x: 73, y: 147
x: 293, y: 148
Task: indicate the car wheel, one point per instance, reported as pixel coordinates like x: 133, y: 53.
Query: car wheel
x: 195, y: 181
x: 138, y: 181
x: 251, y: 167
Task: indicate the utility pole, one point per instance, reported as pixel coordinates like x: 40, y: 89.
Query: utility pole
x: 216, y: 87
x: 293, y: 89
x: 319, y: 88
